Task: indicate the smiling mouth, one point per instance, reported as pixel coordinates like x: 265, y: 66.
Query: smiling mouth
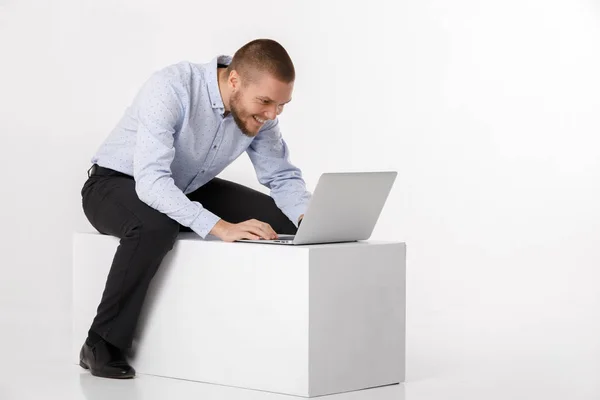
x: 260, y: 121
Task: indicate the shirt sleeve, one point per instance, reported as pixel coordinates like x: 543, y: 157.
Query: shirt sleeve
x: 159, y: 112
x: 269, y: 154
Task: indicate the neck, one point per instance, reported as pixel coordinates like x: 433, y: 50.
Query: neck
x: 224, y: 87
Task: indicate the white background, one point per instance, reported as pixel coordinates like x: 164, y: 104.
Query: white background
x: 489, y: 111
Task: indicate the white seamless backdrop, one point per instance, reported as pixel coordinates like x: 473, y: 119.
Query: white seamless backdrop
x: 488, y: 111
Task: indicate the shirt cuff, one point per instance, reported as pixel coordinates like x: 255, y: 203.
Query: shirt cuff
x: 204, y: 223
x: 295, y: 212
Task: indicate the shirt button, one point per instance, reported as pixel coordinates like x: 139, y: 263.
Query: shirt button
x: 214, y: 147
x: 202, y: 171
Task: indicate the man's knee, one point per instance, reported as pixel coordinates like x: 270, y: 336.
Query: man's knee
x: 157, y: 235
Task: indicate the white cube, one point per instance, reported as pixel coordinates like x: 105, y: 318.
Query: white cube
x: 301, y: 320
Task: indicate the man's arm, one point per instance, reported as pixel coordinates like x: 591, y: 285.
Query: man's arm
x: 270, y: 156
x: 158, y: 111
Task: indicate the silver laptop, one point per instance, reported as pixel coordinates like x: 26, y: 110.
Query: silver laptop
x: 344, y: 208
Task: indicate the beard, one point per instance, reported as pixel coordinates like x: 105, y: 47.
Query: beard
x: 237, y: 113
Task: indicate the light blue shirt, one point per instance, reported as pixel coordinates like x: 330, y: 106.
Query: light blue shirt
x: 173, y: 139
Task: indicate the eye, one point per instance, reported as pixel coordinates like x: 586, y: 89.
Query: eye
x: 263, y: 101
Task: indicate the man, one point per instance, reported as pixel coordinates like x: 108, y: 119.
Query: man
x: 156, y: 174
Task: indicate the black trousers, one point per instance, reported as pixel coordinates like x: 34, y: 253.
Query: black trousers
x: 112, y: 206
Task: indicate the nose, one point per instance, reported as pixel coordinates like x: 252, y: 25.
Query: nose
x: 273, y: 112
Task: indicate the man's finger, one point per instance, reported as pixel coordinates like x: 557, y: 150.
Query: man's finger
x: 268, y: 229
x: 249, y: 236
x: 261, y: 229
x: 255, y: 231
x: 243, y: 234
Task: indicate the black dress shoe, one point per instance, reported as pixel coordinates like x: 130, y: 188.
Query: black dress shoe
x: 105, y: 360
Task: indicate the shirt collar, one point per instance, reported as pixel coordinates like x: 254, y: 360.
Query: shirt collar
x: 213, y: 81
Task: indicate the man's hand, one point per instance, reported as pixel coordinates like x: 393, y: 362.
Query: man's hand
x: 251, y: 229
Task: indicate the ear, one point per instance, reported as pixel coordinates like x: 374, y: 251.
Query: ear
x: 234, y: 79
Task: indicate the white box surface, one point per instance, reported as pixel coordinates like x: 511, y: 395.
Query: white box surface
x: 300, y: 320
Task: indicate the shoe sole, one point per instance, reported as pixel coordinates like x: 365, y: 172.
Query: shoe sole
x: 85, y: 366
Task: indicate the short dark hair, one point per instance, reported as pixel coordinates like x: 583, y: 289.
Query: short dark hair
x: 263, y: 55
